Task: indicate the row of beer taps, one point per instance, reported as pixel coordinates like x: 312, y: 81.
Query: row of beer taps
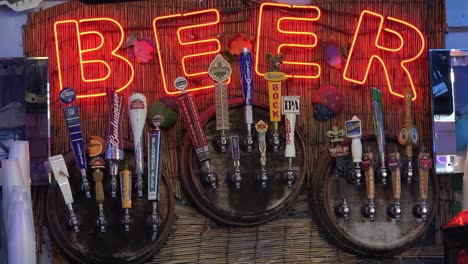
x: 408, y: 136
x: 114, y: 154
x: 220, y: 71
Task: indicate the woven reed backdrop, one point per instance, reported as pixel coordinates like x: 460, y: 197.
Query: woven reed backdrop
x: 294, y: 238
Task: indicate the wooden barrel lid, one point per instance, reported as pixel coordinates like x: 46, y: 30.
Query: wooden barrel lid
x: 89, y: 245
x: 250, y: 205
x: 358, y: 235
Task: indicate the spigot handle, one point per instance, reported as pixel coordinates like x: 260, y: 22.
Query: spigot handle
x: 354, y: 131
x: 425, y: 164
x: 222, y: 108
x: 126, y: 188
x: 290, y: 122
x: 98, y: 176
x: 394, y: 166
x: 369, y: 175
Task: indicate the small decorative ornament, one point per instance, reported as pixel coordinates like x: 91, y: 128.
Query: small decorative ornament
x: 328, y: 101
x: 333, y: 53
x: 238, y: 43
x: 337, y: 149
x: 366, y: 162
x: 142, y: 48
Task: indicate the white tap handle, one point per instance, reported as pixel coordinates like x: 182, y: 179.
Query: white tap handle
x: 59, y: 168
x: 290, y: 121
x: 356, y: 149
x: 137, y: 114
x: 137, y: 110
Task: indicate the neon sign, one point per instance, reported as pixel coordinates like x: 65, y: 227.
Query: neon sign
x: 389, y: 37
x: 211, y: 45
x: 95, y: 73
x: 385, y: 29
x: 301, y: 69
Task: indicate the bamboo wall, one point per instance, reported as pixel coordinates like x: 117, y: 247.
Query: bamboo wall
x: 280, y: 241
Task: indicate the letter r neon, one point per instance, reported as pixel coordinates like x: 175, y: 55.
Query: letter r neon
x: 388, y: 57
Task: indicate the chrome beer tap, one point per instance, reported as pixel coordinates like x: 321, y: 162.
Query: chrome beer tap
x: 408, y: 135
x: 220, y: 71
x: 154, y: 168
x: 59, y: 169
x: 354, y: 131
x: 72, y: 118
x: 247, y: 88
x: 114, y: 151
x: 394, y: 209
x: 291, y: 108
x: 368, y: 209
x: 274, y: 78
x: 195, y: 129
x: 137, y: 115
x: 377, y: 107
x: 126, y: 196
x: 421, y: 209
x: 235, y: 178
x: 262, y: 177
x: 97, y: 164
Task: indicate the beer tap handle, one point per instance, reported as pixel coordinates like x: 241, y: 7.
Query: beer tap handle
x: 60, y: 171
x: 72, y: 118
x: 262, y: 177
x: 154, y: 169
x: 126, y: 195
x: 291, y: 108
x: 354, y: 131
x: 114, y: 150
x: 195, y: 129
x: 220, y: 71
x: 247, y: 88
x: 274, y: 78
x: 394, y: 209
x: 137, y: 115
x: 98, y: 177
x: 377, y: 107
x: 408, y: 135
x: 421, y: 209
x: 368, y: 210
x: 235, y: 178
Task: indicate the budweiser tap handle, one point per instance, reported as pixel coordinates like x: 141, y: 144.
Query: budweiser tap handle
x: 114, y: 152
x: 377, y: 107
x: 72, y: 118
x: 60, y: 171
x: 195, y: 129
x: 247, y: 86
x: 137, y: 114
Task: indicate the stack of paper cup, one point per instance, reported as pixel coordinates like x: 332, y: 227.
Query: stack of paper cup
x: 21, y: 237
x: 11, y: 177
x: 20, y: 150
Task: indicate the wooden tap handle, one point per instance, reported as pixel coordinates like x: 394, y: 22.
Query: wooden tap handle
x: 369, y: 175
x: 98, y: 176
x: 425, y: 163
x: 396, y: 177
